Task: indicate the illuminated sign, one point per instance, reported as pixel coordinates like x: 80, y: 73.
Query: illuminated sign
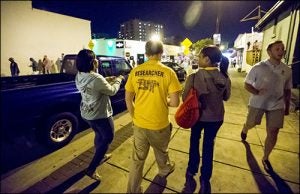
x: 217, y: 39
x: 119, y: 44
x: 186, y: 44
x: 110, y: 43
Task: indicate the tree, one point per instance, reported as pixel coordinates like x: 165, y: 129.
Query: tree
x: 197, y: 46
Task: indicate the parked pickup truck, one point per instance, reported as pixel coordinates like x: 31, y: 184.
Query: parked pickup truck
x: 49, y: 103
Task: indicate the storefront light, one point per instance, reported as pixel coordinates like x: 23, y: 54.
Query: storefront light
x: 110, y: 43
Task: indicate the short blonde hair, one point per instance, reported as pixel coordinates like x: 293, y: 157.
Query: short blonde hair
x: 273, y: 43
x: 154, y: 47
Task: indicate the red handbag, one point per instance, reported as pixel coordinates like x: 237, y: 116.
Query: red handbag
x: 188, y: 112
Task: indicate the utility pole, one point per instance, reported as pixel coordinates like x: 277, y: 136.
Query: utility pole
x: 217, y: 35
x: 217, y: 25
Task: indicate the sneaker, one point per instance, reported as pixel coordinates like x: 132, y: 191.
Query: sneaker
x: 172, y: 164
x: 93, y: 175
x: 243, y: 136
x: 106, y: 157
x: 267, y: 165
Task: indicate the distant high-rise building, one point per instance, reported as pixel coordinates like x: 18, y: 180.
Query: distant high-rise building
x: 140, y: 30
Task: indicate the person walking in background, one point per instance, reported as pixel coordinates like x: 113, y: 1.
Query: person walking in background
x: 41, y: 68
x: 53, y: 67
x: 14, y: 68
x: 151, y: 85
x: 213, y: 88
x: 61, y: 60
x: 34, y: 66
x: 47, y: 65
x: 58, y: 64
x: 269, y: 83
x: 95, y: 106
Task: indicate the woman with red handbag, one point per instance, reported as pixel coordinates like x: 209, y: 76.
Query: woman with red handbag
x: 213, y: 87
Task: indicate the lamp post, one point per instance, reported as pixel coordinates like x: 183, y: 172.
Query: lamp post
x: 217, y: 35
x: 155, y: 37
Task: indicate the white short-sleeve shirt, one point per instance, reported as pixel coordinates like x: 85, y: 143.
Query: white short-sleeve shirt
x: 271, y: 81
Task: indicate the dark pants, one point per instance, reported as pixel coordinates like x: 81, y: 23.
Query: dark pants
x: 210, y: 132
x: 104, y: 134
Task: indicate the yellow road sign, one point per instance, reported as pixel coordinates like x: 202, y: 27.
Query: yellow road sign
x: 186, y: 51
x: 187, y: 43
x: 91, y: 44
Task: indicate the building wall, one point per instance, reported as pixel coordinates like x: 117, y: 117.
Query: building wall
x: 172, y: 50
x: 139, y: 30
x: 276, y: 32
x: 241, y: 44
x: 286, y: 29
x: 134, y: 47
x: 294, y: 38
x: 28, y: 32
x: 107, y: 47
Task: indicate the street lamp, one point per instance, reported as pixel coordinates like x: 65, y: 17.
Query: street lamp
x: 155, y: 37
x: 222, y: 47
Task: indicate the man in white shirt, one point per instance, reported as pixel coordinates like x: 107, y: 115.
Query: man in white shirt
x: 269, y: 83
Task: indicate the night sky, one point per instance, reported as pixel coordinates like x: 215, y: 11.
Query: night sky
x: 106, y: 16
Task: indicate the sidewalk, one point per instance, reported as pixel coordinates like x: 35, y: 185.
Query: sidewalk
x: 237, y: 165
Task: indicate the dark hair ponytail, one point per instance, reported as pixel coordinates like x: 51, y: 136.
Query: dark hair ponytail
x: 213, y: 53
x: 224, y: 65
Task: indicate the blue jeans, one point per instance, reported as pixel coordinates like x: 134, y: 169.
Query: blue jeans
x: 104, y: 134
x: 210, y: 132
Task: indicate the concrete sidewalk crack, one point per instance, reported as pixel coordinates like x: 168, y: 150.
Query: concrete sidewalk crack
x: 69, y: 177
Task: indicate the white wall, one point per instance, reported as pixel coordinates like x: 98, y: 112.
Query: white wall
x: 280, y: 32
x: 172, y: 50
x: 27, y: 32
x: 241, y: 42
x: 135, y: 47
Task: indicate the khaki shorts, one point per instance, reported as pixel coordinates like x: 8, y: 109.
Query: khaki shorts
x: 274, y: 118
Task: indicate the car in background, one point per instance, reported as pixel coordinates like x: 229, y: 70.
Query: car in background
x: 180, y: 72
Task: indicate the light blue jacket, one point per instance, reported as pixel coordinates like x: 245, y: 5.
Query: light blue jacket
x: 95, y: 92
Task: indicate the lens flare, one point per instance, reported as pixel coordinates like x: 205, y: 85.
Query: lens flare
x: 192, y: 14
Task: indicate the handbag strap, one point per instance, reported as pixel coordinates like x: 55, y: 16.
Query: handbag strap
x: 194, y: 80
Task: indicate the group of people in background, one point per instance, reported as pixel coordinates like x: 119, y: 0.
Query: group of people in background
x: 42, y: 66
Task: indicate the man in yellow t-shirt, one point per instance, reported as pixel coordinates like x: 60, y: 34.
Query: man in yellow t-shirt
x: 150, y: 89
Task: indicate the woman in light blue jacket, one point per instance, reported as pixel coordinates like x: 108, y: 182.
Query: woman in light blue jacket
x: 95, y: 106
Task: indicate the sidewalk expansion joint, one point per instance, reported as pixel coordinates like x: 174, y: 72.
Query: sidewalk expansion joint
x: 120, y: 136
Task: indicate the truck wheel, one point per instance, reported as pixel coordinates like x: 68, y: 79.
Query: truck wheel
x: 59, y: 129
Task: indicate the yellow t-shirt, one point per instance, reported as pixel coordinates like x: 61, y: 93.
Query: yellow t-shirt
x: 152, y: 82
